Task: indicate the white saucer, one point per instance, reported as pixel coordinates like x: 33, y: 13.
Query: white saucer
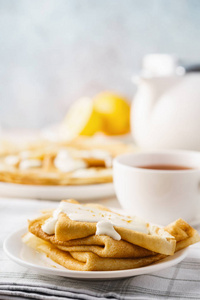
x: 80, y: 192
x: 27, y: 257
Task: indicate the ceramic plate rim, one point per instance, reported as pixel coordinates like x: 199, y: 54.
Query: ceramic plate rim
x: 16, y: 235
x: 46, y: 192
x: 84, y: 186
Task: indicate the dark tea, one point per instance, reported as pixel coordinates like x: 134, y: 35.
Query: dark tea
x: 165, y: 167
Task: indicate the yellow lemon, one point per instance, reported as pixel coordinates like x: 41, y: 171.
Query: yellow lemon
x: 81, y: 119
x: 115, y: 113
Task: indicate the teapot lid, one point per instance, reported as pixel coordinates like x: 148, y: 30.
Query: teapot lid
x: 156, y: 65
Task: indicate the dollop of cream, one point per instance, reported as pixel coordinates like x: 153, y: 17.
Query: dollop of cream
x: 96, y: 154
x: 106, y: 228
x: 11, y: 160
x: 83, y: 213
x: 49, y: 226
x: 30, y: 163
x: 66, y: 163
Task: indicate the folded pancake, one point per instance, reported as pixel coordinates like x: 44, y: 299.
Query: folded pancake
x: 86, y: 261
x: 42, y: 177
x: 67, y: 233
x: 69, y: 236
x: 103, y: 246
x: 184, y: 234
x: 79, y: 162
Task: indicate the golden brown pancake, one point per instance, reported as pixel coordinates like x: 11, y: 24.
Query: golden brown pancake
x: 95, y: 171
x: 76, y: 246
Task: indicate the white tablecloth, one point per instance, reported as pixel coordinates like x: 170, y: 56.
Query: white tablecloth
x: 178, y: 282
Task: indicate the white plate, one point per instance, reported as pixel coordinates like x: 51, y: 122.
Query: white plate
x: 80, y: 192
x: 27, y: 257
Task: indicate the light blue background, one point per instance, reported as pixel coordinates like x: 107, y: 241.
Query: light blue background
x: 54, y: 51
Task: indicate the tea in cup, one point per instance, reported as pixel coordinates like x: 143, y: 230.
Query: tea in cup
x: 159, y: 186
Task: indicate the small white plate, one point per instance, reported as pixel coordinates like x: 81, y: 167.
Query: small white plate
x: 27, y: 257
x: 53, y: 192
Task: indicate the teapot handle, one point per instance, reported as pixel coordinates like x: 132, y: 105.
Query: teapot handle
x: 192, y: 68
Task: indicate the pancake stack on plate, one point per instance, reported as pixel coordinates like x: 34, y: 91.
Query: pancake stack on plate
x: 82, y: 161
x: 91, y: 237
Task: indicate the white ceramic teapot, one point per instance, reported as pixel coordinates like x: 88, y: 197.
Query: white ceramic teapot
x: 165, y: 112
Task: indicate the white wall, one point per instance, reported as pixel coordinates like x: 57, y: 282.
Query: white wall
x: 54, y: 51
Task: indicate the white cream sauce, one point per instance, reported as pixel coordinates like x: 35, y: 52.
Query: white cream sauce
x: 96, y: 154
x: 30, y: 163
x: 82, y: 213
x: 12, y: 160
x: 106, y: 228
x: 66, y: 163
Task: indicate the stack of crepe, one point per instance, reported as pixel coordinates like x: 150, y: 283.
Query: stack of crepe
x: 79, y: 162
x: 77, y: 245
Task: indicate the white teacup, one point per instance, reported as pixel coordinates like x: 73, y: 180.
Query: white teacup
x: 159, y: 196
